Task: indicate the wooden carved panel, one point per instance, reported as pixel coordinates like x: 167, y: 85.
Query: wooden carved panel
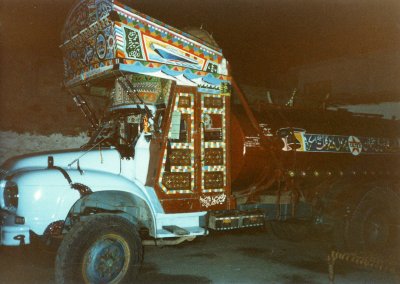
x: 180, y: 157
x: 213, y: 102
x: 213, y: 180
x: 213, y: 156
x: 177, y: 181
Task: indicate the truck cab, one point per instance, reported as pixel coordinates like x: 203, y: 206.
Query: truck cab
x: 163, y: 136
x: 157, y: 159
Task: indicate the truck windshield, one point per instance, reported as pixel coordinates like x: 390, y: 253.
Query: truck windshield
x: 136, y: 103
x: 122, y: 127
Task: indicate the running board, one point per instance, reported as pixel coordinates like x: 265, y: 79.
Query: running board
x: 176, y: 230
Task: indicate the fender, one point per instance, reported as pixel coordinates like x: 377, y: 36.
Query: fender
x: 123, y: 203
x: 45, y: 196
x: 339, y: 198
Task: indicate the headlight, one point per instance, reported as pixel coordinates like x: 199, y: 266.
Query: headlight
x: 10, y: 194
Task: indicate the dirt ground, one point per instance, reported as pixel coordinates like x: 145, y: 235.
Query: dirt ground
x: 250, y: 256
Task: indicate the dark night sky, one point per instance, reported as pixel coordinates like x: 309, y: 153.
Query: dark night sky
x: 260, y: 38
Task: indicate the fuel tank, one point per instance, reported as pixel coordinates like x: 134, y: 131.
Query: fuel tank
x: 310, y: 142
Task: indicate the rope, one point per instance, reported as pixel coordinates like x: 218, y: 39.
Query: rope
x: 389, y: 264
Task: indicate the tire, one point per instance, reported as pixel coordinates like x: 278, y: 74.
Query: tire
x: 291, y: 230
x: 374, y: 224
x: 102, y: 249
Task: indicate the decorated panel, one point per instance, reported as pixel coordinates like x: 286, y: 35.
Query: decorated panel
x: 160, y: 43
x: 213, y: 180
x: 213, y: 102
x: 213, y: 156
x: 89, y: 40
x: 179, y: 155
x: 213, y: 142
x: 306, y: 142
x: 84, y: 14
x: 99, y: 34
x: 151, y: 90
x: 92, y: 53
x: 177, y: 181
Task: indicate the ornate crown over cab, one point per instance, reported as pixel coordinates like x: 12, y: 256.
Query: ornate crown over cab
x: 103, y: 35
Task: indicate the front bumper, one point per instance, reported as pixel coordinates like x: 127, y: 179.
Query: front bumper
x: 12, y: 234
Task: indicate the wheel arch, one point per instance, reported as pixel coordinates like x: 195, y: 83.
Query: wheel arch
x: 122, y: 203
x: 363, y: 232
x: 344, y: 203
x: 344, y: 194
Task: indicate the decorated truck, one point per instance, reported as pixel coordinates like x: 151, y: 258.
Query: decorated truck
x: 179, y: 152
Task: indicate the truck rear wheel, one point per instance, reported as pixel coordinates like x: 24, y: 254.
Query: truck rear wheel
x: 103, y: 249
x: 374, y: 224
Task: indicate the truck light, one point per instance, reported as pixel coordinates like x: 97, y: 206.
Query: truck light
x: 10, y: 194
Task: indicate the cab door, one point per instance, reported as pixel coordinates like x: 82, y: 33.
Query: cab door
x: 193, y: 173
x: 177, y: 184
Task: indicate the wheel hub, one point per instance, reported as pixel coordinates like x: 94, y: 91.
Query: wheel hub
x: 106, y: 261
x: 377, y: 230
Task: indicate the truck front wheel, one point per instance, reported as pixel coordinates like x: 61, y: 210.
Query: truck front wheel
x: 102, y: 249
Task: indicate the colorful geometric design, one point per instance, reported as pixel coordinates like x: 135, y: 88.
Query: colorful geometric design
x: 92, y: 48
x: 206, y: 82
x: 159, y: 30
x: 91, y: 37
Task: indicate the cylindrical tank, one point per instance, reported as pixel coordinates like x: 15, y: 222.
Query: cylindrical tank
x: 327, y: 144
x: 249, y: 159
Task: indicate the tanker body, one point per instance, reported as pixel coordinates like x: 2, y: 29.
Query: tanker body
x: 314, y: 169
x: 304, y: 142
